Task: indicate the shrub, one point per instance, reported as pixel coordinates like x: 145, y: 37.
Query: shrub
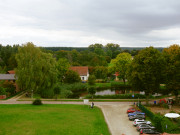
x: 47, y: 93
x: 2, y: 91
x: 165, y: 106
x: 91, y: 80
x: 92, y: 91
x: 73, y: 90
x: 10, y: 87
x: 161, y: 122
x: 157, y: 123
x: 120, y: 96
x: 72, y: 77
x: 37, y: 102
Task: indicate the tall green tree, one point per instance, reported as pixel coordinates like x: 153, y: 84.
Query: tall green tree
x: 92, y: 91
x: 93, y: 47
x: 62, y: 67
x: 72, y: 77
x: 121, y: 64
x: 112, y: 50
x: 101, y: 72
x: 35, y: 70
x: 7, y: 55
x: 172, y: 68
x: 146, y: 70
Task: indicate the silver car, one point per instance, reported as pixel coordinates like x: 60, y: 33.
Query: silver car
x: 144, y: 126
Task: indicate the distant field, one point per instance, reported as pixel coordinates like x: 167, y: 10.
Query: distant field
x: 51, y: 120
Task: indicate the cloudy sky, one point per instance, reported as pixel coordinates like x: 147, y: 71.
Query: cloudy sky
x: 79, y: 23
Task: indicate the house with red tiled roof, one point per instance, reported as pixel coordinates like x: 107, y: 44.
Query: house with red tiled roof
x: 82, y: 71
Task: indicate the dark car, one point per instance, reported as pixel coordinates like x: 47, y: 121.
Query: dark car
x: 144, y: 126
x: 149, y: 131
x: 134, y: 113
x: 137, y: 116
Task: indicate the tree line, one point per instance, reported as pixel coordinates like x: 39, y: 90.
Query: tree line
x: 41, y: 69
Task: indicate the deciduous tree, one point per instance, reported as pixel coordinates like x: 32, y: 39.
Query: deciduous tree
x: 72, y: 77
x: 121, y: 64
x: 36, y: 70
x: 146, y: 70
x: 62, y: 67
x: 172, y: 68
x: 91, y: 80
x: 112, y: 50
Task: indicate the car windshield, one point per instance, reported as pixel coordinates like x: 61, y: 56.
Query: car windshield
x: 144, y: 125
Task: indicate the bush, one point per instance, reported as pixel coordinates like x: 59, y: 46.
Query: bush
x: 47, y: 93
x: 165, y: 106
x: 2, y: 91
x: 120, y: 96
x: 91, y: 80
x: 72, y: 77
x: 161, y: 122
x: 37, y: 102
x: 73, y: 90
x: 10, y: 87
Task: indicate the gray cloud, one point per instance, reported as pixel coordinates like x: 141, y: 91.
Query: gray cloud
x: 84, y: 22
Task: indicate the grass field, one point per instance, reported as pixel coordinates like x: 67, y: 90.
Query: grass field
x: 51, y: 120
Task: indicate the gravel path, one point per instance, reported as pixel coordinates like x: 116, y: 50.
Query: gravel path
x: 114, y: 113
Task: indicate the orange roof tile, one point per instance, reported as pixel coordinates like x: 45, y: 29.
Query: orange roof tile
x: 11, y: 72
x: 82, y: 71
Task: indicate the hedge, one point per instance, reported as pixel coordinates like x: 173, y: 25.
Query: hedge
x: 161, y: 123
x: 118, y: 96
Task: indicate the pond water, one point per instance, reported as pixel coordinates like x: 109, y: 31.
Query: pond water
x: 111, y: 92
x: 105, y: 92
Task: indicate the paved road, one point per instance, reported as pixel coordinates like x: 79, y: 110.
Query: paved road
x: 114, y: 113
x: 116, y: 117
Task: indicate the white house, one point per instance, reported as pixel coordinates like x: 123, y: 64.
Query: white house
x: 82, y: 71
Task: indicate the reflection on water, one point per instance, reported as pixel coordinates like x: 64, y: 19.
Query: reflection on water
x: 105, y: 92
x: 112, y: 92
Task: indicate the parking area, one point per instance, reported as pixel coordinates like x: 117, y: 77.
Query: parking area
x: 117, y: 120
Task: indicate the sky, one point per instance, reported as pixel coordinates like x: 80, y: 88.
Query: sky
x: 80, y: 23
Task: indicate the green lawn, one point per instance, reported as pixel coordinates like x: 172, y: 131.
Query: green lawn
x: 51, y: 120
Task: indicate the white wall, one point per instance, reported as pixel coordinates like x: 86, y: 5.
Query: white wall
x: 85, y: 78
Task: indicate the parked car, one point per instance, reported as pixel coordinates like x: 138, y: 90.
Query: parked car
x: 137, y: 116
x: 149, y: 131
x: 136, y: 112
x: 144, y: 126
x: 141, y: 121
x: 131, y: 110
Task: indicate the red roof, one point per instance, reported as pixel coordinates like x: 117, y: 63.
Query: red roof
x: 11, y: 72
x: 82, y: 71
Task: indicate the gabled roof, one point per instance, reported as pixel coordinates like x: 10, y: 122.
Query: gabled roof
x: 7, y: 77
x: 11, y: 72
x: 82, y: 71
